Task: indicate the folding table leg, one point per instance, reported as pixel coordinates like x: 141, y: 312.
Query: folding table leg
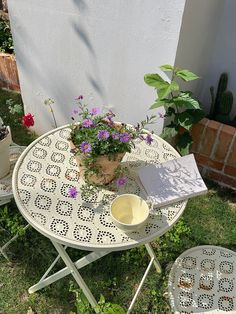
x: 2, y: 249
x: 152, y: 255
x: 140, y: 286
x: 82, y: 262
x: 65, y: 257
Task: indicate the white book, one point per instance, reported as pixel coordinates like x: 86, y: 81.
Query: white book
x: 172, y: 181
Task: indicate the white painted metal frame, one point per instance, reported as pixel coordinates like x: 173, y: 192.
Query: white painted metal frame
x: 73, y: 269
x: 3, y: 248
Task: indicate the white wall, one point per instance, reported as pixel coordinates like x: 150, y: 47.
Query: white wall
x: 207, y: 44
x: 100, y: 49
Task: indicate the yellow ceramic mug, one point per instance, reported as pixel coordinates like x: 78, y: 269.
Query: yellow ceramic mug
x: 129, y: 212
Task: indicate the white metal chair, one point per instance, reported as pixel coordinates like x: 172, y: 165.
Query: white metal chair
x: 203, y: 280
x: 6, y: 193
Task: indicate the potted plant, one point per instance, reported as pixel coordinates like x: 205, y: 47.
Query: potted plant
x: 99, y: 143
x: 182, y: 109
x: 5, y: 141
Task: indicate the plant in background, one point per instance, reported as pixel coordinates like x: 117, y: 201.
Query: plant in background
x: 49, y: 102
x: 13, y: 107
x: 183, y: 109
x: 99, y: 143
x: 6, y: 41
x: 103, y: 307
x: 28, y: 120
x: 222, y: 102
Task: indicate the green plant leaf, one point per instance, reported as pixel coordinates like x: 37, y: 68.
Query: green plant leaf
x: 114, y: 309
x: 185, y: 120
x: 184, y: 143
x: 170, y: 111
x: 197, y: 114
x: 163, y: 87
x: 186, y: 75
x: 185, y: 100
x: 155, y: 80
x: 165, y: 90
x: 174, y: 86
x: 158, y: 103
x: 169, y: 131
x: 167, y: 67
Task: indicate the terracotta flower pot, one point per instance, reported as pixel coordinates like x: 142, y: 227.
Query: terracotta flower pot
x: 106, y: 165
x: 5, y: 155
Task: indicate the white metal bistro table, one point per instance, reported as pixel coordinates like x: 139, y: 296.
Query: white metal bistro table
x: 42, y: 177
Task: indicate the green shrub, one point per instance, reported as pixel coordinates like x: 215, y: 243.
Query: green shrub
x: 6, y: 41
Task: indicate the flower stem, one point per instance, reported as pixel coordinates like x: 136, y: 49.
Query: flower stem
x: 54, y: 119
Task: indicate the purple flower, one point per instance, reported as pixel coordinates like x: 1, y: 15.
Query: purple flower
x: 121, y: 181
x: 95, y: 111
x: 85, y: 147
x: 109, y: 121
x: 149, y: 139
x: 80, y: 97
x: 76, y: 111
x: 72, y: 192
x: 124, y: 137
x: 103, y: 135
x: 109, y: 117
x: 87, y: 123
x: 115, y: 136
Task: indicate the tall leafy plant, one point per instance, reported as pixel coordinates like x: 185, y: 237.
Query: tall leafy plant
x: 180, y: 106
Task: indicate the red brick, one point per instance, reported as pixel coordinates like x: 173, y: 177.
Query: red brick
x: 232, y: 157
x: 207, y: 162
x: 223, y: 143
x: 196, y: 132
x: 215, y: 125
x: 221, y: 178
x: 209, y: 137
x: 231, y: 171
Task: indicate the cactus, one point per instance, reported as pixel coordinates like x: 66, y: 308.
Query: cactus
x: 226, y: 103
x: 222, y: 85
x: 222, y: 103
x: 212, y: 109
x: 223, y: 118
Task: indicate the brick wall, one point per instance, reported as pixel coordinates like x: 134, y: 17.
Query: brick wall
x: 8, y: 72
x: 214, y: 147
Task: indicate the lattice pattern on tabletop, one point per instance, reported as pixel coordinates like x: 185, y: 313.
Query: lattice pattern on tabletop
x: 6, y: 183
x: 203, y: 280
x: 47, y: 170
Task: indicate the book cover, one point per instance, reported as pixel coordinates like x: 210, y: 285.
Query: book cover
x: 172, y: 181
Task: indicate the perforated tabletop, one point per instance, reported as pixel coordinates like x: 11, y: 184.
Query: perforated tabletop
x: 46, y: 170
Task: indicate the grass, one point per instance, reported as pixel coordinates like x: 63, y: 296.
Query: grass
x: 208, y: 219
